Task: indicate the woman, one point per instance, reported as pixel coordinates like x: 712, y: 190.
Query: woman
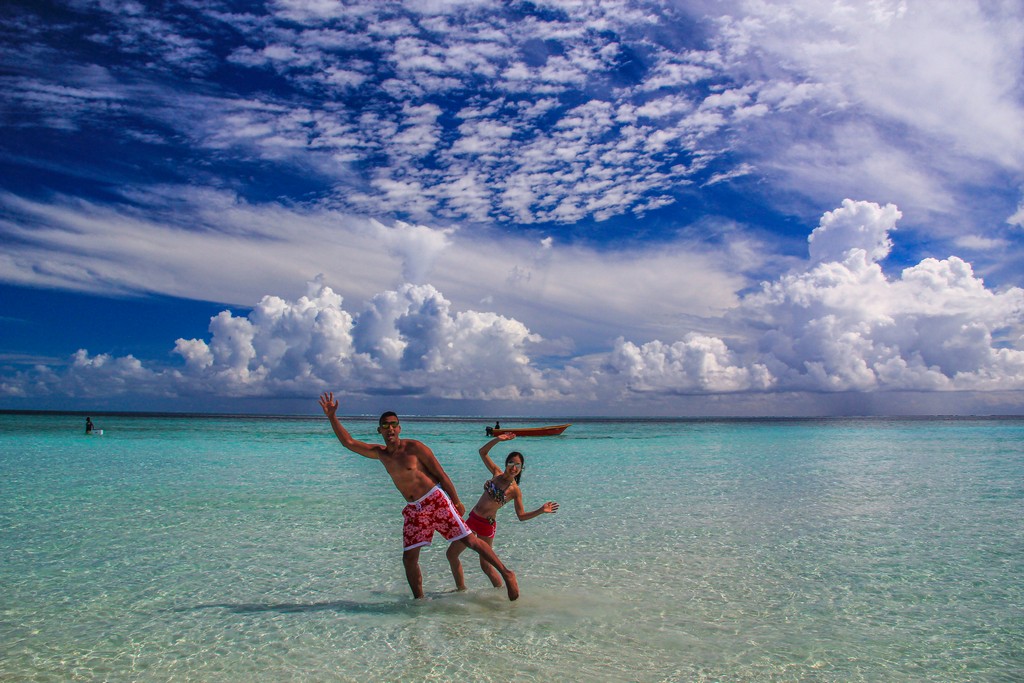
x: 501, y: 488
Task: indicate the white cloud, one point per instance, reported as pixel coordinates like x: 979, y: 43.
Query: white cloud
x: 190, y: 243
x: 309, y: 10
x: 823, y: 95
x: 980, y: 243
x: 836, y: 325
x: 842, y: 325
x: 471, y: 58
x: 212, y: 246
x: 916, y: 103
x: 1017, y: 219
x: 451, y: 114
x: 696, y: 364
x: 406, y: 339
x: 418, y: 246
x: 857, y: 225
x: 948, y: 67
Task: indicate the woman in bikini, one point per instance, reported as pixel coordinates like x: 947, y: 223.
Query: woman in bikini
x: 502, y: 487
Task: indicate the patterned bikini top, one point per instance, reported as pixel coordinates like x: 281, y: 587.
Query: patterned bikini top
x: 497, y: 494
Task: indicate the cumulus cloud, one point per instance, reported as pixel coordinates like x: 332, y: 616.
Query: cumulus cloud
x: 406, y: 340
x: 843, y: 325
x: 840, y: 324
x: 417, y: 246
x: 835, y: 324
x: 90, y: 376
x: 215, y: 246
x: 696, y: 364
x: 857, y: 225
x: 510, y: 155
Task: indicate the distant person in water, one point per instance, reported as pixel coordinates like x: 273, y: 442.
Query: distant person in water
x: 501, y: 488
x: 88, y: 425
x: 433, y: 503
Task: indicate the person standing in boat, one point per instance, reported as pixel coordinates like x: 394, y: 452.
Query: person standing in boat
x: 501, y: 488
x: 88, y: 425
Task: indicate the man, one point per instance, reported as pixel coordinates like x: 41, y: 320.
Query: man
x: 433, y: 503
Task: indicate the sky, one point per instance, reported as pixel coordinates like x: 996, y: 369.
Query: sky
x: 501, y: 209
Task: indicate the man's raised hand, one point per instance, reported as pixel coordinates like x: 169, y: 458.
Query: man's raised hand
x: 329, y: 405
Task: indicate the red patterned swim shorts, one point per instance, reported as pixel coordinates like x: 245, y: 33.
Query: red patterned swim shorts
x: 433, y: 512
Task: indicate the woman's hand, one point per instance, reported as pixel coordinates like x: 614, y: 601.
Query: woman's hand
x: 329, y: 405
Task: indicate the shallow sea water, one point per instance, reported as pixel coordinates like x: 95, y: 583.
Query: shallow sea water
x: 235, y: 549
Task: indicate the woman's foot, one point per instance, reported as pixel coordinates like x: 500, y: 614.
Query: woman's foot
x: 512, y: 585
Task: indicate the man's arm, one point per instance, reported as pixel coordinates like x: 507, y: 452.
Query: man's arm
x: 330, y: 407
x: 431, y: 465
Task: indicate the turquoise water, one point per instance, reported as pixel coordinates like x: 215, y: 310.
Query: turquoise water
x: 258, y: 549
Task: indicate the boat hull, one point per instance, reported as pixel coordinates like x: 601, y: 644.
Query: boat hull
x: 550, y: 430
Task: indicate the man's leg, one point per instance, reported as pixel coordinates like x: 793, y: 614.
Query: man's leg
x: 411, y: 560
x: 487, y: 553
x: 453, y: 552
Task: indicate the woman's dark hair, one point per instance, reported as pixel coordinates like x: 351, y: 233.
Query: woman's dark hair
x: 508, y: 459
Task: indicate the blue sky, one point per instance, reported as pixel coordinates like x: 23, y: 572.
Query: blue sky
x: 489, y: 208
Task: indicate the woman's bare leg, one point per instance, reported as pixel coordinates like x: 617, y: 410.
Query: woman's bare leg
x: 485, y: 551
x: 489, y: 569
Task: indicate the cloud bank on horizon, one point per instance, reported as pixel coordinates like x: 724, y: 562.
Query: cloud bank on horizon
x: 543, y: 204
x: 834, y: 324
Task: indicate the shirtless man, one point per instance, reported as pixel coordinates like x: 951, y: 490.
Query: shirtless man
x: 433, y: 503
